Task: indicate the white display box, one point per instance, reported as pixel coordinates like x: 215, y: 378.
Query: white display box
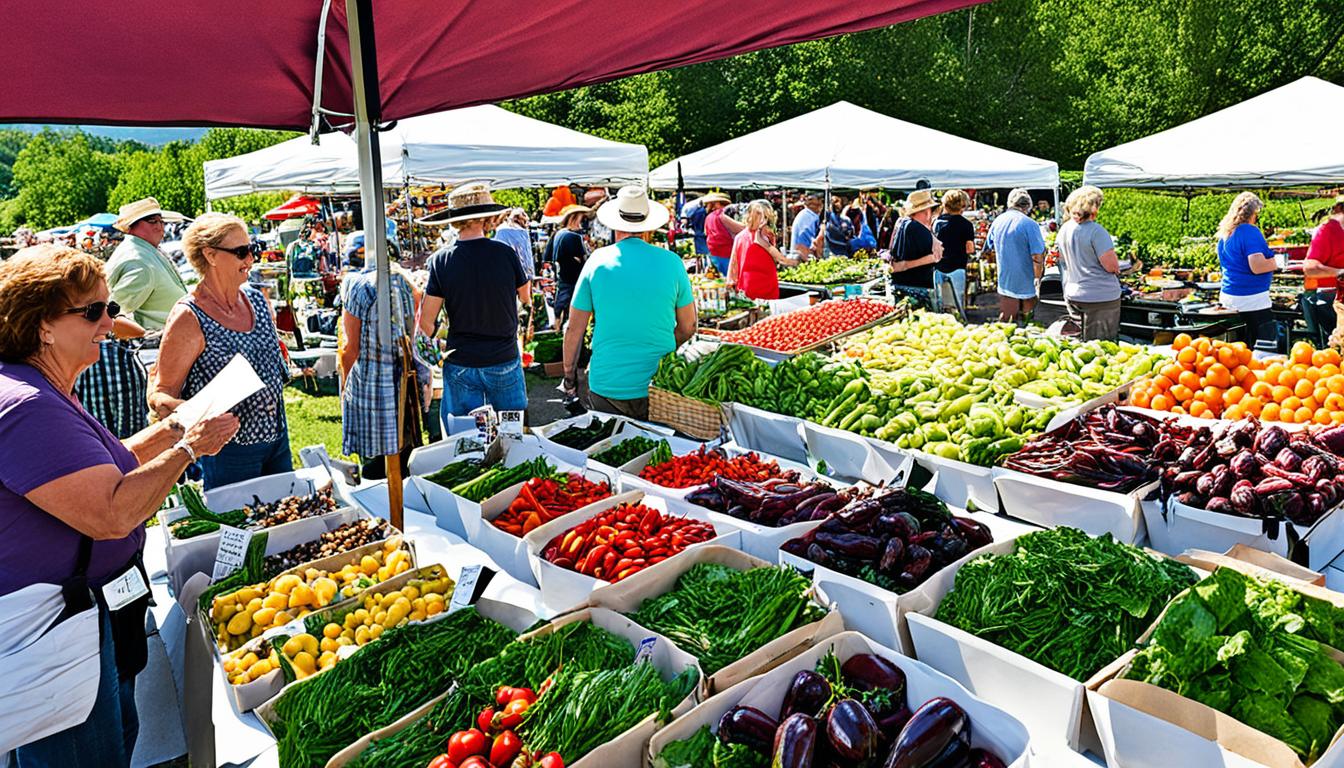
x: 764, y: 431
x: 1174, y: 527
x: 877, y: 612
x: 578, y: 457
x: 959, y: 483
x: 1051, y: 504
x: 852, y: 458
x: 679, y: 446
x: 991, y: 728
x: 453, y: 512
x: 630, y: 479
x: 510, y: 551
x: 627, y: 596
x: 561, y: 588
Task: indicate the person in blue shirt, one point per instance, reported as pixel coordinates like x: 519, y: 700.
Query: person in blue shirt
x: 1019, y: 250
x: 807, y: 234
x: 694, y: 213
x: 640, y: 301
x: 1248, y: 268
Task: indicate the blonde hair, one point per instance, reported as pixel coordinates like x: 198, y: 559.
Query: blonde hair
x: 1083, y: 203
x: 38, y: 283
x: 760, y: 214
x: 208, y: 231
x: 1244, y: 206
x: 955, y: 201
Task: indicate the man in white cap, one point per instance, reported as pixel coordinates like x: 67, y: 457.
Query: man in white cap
x: 639, y: 297
x: 146, y: 285
x: 478, y: 283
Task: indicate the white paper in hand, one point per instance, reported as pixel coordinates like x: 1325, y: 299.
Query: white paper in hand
x: 233, y: 385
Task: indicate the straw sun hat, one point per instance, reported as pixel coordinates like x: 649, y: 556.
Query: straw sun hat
x: 130, y: 213
x: 919, y: 200
x: 470, y: 200
x: 632, y: 211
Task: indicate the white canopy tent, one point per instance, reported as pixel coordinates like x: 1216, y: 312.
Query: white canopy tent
x: 1281, y: 138
x: 483, y: 142
x: 847, y: 146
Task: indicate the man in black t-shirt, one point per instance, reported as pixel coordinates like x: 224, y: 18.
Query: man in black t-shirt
x: 569, y: 251
x: 914, y: 250
x: 478, y: 283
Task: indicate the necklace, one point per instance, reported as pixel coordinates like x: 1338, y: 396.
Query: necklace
x: 227, y: 309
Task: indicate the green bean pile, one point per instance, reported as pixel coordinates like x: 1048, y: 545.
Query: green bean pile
x: 407, y: 667
x: 1063, y: 598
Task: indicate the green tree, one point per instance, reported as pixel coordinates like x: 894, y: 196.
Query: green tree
x: 61, y: 179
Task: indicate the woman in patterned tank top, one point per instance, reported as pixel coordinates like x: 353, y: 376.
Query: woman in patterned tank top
x: 223, y: 316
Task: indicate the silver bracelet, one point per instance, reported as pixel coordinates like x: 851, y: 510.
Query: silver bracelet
x: 184, y: 445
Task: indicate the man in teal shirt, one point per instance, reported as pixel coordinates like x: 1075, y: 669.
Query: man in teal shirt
x: 640, y: 299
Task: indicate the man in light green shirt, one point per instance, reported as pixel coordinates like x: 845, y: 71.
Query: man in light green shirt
x: 139, y: 276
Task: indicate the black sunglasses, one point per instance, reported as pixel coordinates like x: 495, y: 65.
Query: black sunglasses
x: 94, y: 312
x: 242, y: 251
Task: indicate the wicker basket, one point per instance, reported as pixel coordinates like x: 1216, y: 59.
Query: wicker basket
x: 693, y: 417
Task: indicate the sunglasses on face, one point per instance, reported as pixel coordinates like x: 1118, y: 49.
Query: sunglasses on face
x: 242, y: 251
x: 94, y: 312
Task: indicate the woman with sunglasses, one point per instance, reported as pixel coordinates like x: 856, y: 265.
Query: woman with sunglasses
x: 73, y: 501
x: 223, y: 316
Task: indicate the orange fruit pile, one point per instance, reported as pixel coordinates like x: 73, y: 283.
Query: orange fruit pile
x: 1217, y: 379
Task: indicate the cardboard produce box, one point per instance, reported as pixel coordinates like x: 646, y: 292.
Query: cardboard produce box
x: 991, y: 728
x: 510, y: 551
x: 876, y: 612
x: 1142, y: 725
x: 452, y: 512
x: 629, y: 748
x: 1051, y: 503
x: 627, y: 596
x: 561, y: 588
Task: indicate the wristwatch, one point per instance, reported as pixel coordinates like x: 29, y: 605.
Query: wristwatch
x: 184, y: 445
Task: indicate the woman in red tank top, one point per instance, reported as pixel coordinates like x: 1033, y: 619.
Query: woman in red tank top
x: 755, y: 259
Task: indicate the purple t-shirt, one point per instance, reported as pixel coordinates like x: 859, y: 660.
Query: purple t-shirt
x: 45, y: 435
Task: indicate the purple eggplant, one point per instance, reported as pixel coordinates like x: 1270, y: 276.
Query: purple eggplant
x: 1185, y: 481
x: 796, y: 546
x: 957, y: 754
x: 1243, y: 500
x: 862, y: 514
x: 1205, y: 485
x: 851, y: 730
x: 867, y: 671
x: 976, y: 533
x: 1288, y: 505
x: 795, y: 742
x: 892, y: 556
x: 1317, y: 468
x: 708, y: 498
x: 1220, y: 504
x: 929, y: 735
x: 854, y: 545
x: 1270, y: 441
x: 749, y: 727
x: 1288, y: 459
x: 1272, y: 485
x: 899, y: 524
x: 891, y: 724
x: 917, y: 561
x: 982, y: 758
x: 818, y: 555
x: 807, y: 694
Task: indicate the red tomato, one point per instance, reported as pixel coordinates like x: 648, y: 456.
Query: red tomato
x: 464, y: 744
x: 476, y: 762
x: 511, y: 715
x: 441, y: 761
x: 506, y: 747
x: 551, y: 760
x: 484, y: 719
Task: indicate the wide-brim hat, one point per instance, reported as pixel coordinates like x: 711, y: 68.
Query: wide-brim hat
x: 570, y: 210
x: 470, y: 200
x: 631, y: 210
x: 715, y: 197
x: 130, y: 213
x: 919, y: 200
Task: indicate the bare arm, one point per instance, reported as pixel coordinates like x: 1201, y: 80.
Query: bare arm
x: 574, y: 331
x: 970, y: 247
x: 182, y: 343
x: 429, y: 313
x: 733, y: 225
x: 126, y: 328
x: 351, y: 326
x: 104, y: 504
x: 768, y: 243
x: 525, y: 293
x: 153, y: 440
x: 1314, y: 268
x: 685, y: 323
x: 1261, y: 264
x: 1110, y: 262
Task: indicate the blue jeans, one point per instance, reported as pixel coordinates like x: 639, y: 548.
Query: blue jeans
x: 107, y: 738
x: 465, y: 389
x: 236, y: 463
x: 958, y: 280
x: 720, y: 264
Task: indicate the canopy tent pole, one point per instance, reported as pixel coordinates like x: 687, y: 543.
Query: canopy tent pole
x: 784, y: 235
x: 826, y: 217
x: 368, y: 108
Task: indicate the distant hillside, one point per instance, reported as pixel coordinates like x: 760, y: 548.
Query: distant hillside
x: 151, y: 136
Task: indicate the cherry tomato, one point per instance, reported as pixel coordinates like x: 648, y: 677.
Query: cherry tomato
x: 465, y: 744
x: 506, y: 747
x: 551, y: 760
x: 441, y: 761
x: 484, y: 719
x: 511, y: 715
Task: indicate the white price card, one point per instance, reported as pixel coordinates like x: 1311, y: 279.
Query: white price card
x: 232, y: 551
x: 124, y: 589
x: 645, y: 650
x: 344, y: 652
x: 511, y: 424
x: 466, y: 587
x: 235, y: 383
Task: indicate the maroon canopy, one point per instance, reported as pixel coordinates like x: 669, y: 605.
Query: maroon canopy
x: 251, y: 62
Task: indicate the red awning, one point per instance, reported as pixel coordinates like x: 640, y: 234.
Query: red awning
x: 298, y: 205
x: 251, y: 62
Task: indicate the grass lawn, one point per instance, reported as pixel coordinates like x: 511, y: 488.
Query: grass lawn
x: 313, y: 420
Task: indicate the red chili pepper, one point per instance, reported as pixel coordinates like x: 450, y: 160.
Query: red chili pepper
x: 484, y: 720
